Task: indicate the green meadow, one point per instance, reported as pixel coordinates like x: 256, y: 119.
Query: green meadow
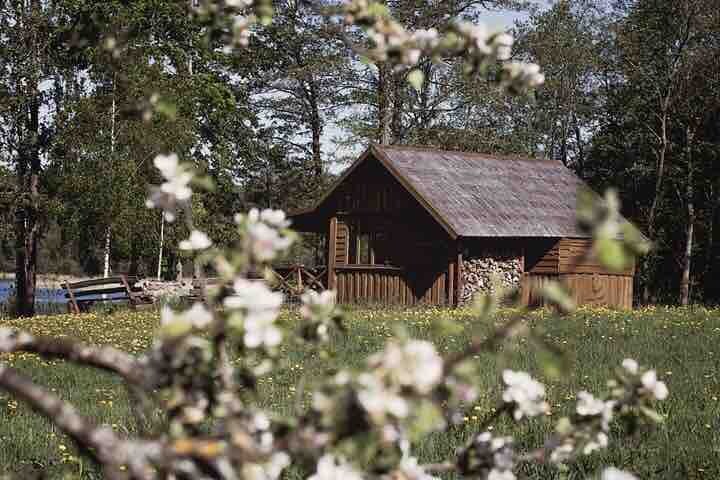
x: 683, y: 345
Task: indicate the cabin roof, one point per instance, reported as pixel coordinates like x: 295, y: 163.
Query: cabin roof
x: 478, y: 195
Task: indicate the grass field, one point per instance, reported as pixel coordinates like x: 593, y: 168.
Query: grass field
x: 682, y: 344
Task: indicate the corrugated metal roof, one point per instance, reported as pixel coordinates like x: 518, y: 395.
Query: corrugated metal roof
x: 480, y: 195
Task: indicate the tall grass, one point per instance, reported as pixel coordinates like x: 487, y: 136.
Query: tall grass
x: 682, y: 344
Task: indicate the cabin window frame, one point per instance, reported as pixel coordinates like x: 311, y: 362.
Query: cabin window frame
x: 365, y: 248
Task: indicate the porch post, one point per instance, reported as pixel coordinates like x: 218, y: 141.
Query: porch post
x: 451, y: 282
x: 332, y: 253
x: 459, y: 273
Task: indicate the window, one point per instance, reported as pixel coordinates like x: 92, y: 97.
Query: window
x: 368, y: 247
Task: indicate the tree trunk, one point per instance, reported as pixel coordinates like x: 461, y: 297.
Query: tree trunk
x: 162, y: 240
x: 27, y: 221
x: 687, y: 259
x: 690, y: 205
x: 397, y: 108
x: 108, y: 233
x: 106, y: 254
x: 384, y: 103
x: 316, y: 128
x: 660, y: 174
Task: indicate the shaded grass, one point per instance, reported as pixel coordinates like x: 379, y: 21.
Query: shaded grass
x: 682, y: 344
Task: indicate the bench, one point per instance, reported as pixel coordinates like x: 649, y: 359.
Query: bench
x: 82, y: 295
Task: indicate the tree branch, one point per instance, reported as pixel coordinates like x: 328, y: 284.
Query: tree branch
x: 104, y: 358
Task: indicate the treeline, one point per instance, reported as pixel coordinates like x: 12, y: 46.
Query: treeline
x: 631, y: 100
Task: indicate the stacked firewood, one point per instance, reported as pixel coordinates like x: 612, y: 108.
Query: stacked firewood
x: 481, y: 274
x: 159, y: 289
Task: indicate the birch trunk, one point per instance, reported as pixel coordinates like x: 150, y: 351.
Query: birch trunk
x: 108, y: 233
x: 162, y: 241
x: 689, y: 230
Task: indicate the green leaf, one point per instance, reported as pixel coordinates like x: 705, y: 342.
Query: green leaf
x: 176, y: 328
x: 167, y: 109
x: 551, y: 364
x: 378, y: 10
x: 428, y: 418
x: 556, y: 294
x: 652, y: 415
x: 611, y: 254
x: 416, y: 78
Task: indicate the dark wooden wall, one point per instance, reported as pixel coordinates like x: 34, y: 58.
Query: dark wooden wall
x: 415, y: 258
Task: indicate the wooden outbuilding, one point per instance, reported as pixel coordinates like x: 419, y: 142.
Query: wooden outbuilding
x: 406, y: 225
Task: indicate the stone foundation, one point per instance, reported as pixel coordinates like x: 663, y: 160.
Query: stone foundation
x: 478, y: 274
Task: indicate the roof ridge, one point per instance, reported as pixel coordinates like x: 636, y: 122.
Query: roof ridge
x: 477, y: 155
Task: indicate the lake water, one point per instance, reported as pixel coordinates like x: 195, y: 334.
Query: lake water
x: 43, y: 295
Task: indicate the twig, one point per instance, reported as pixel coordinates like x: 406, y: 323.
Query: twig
x: 439, y: 467
x: 478, y: 346
x: 100, y: 443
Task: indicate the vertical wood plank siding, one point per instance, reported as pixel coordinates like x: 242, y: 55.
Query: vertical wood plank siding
x: 586, y: 289
x: 388, y: 285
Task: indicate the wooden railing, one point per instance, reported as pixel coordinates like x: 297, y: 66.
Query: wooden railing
x: 293, y: 280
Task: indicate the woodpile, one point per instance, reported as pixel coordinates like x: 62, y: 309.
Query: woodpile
x: 480, y: 274
x: 165, y: 290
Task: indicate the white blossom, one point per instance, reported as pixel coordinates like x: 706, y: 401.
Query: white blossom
x: 198, y: 241
x: 198, y: 316
x: 274, y: 218
x: 238, y: 3
x: 596, y: 442
x: 318, y: 307
x: 379, y: 401
x: 477, y: 36
x: 169, y: 165
x: 175, y: 187
x: 520, y: 76
x: 241, y: 31
x: 588, y: 405
x: 270, y: 470
x: 331, y: 468
x: 526, y: 393
x: 415, y: 364
x: 177, y: 178
x: 652, y: 385
x: 265, y: 241
x: 630, y: 365
x: 496, y: 474
x: 260, y: 307
x: 562, y: 452
x: 316, y: 304
x: 502, y: 46
x: 613, y: 473
x: 426, y: 39
x: 497, y: 453
x: 410, y: 469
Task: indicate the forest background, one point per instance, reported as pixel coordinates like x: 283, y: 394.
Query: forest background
x: 631, y: 100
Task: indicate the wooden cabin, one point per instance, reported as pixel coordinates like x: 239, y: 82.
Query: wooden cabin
x: 409, y: 226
